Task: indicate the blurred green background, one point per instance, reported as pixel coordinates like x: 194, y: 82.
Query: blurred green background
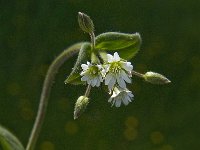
x: 34, y: 32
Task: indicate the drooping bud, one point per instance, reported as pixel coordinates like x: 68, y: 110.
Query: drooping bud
x: 85, y: 23
x: 155, y: 78
x: 80, y: 106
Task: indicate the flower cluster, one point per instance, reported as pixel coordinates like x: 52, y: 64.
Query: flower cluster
x: 116, y: 72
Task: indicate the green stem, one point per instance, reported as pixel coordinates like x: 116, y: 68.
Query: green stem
x: 57, y: 63
x: 92, y: 37
x: 138, y: 74
x: 87, y: 92
x: 94, y: 58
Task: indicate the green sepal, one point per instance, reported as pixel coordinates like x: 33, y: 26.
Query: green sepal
x: 8, y: 141
x: 80, y: 106
x: 83, y: 57
x: 85, y: 23
x: 127, y: 45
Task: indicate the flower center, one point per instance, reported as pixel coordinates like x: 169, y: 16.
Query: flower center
x: 115, y: 67
x: 93, y: 70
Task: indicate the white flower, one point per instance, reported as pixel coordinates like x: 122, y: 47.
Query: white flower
x: 117, y: 70
x: 91, y: 74
x: 119, y: 96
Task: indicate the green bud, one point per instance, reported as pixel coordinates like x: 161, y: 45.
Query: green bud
x: 85, y: 23
x: 155, y: 78
x: 80, y: 106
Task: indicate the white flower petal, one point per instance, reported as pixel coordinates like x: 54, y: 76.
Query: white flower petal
x: 125, y: 76
x: 99, y: 67
x: 82, y: 73
x: 118, y: 103
x: 130, y: 94
x: 84, y: 78
x: 110, y: 58
x: 108, y: 78
x: 84, y: 67
x: 103, y: 72
x: 89, y: 81
x: 127, y: 66
x: 100, y: 79
x: 94, y: 82
x: 115, y: 93
x: 98, y: 83
x: 110, y: 100
x: 121, y: 82
x: 129, y: 99
x: 125, y: 101
x: 106, y: 67
x: 116, y: 57
x: 111, y: 83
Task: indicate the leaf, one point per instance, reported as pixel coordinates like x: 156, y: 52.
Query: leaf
x: 83, y: 57
x: 8, y: 141
x: 127, y: 45
x: 129, y: 52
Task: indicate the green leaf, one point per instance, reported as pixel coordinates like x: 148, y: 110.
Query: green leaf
x: 127, y: 45
x: 8, y: 141
x: 83, y: 57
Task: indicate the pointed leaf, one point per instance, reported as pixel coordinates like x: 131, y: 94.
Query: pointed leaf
x: 125, y: 44
x: 83, y: 57
x: 8, y: 141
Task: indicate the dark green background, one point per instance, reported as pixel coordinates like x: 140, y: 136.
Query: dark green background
x: 34, y: 32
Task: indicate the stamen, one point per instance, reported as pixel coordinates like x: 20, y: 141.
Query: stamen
x: 115, y: 68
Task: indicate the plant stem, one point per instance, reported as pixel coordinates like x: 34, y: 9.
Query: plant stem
x: 138, y: 74
x: 92, y: 37
x: 56, y: 64
x: 94, y: 57
x: 87, y: 92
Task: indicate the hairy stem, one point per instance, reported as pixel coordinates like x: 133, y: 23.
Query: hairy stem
x: 56, y: 64
x: 87, y: 92
x: 92, y: 37
x: 138, y: 74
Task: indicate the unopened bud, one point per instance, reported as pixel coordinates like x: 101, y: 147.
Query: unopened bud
x: 85, y: 23
x: 80, y: 106
x: 155, y: 78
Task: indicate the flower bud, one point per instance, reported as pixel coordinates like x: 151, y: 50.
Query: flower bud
x: 80, y: 106
x: 85, y: 23
x: 155, y: 78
